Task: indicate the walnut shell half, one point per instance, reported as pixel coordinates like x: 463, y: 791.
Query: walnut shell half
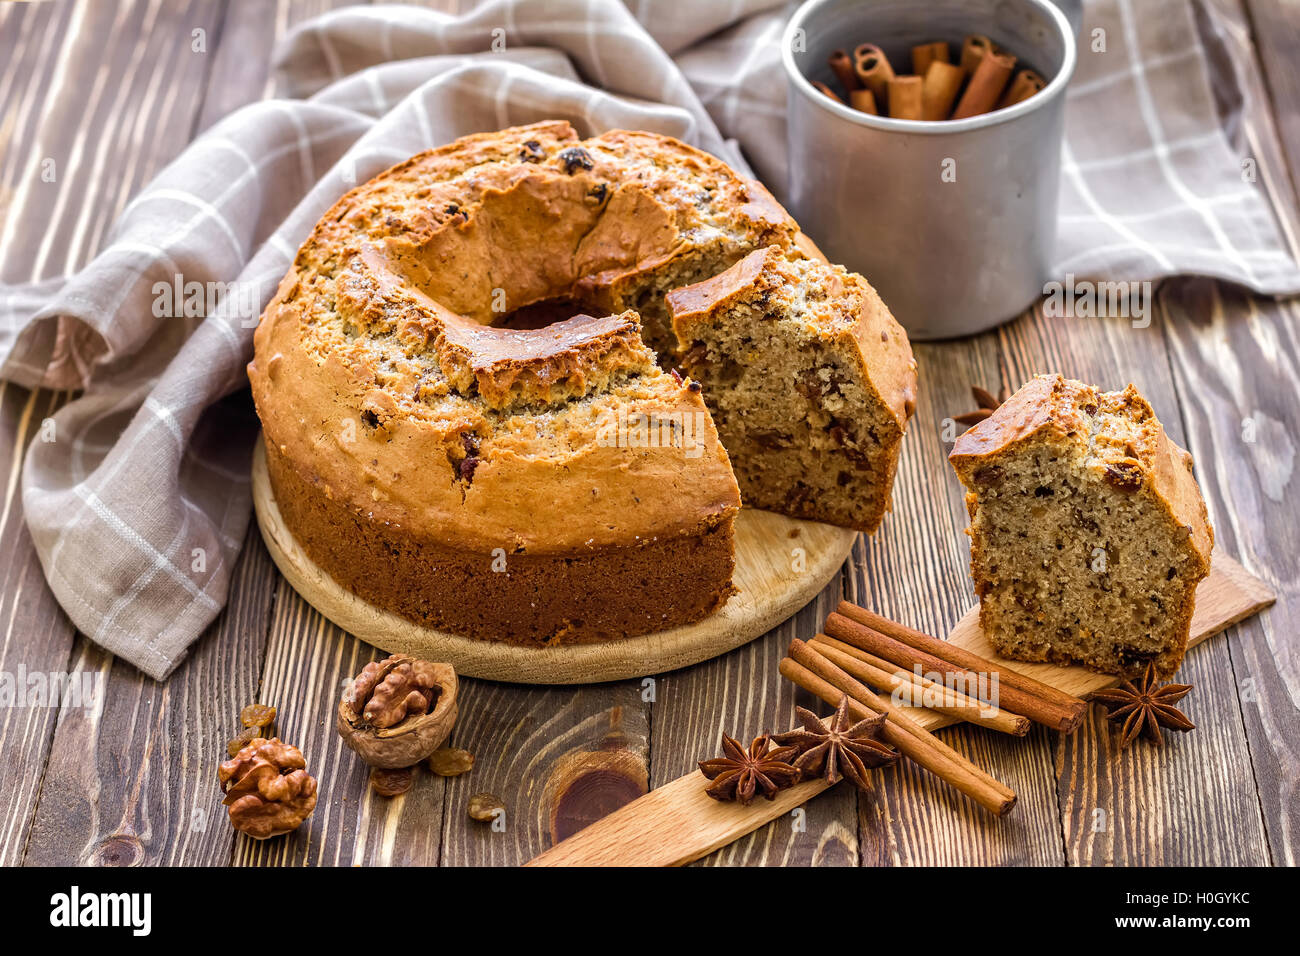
x: 398, y: 711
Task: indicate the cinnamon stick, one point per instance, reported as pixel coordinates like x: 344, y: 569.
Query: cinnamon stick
x: 923, y: 54
x: 863, y: 100
x: 873, y: 70
x: 821, y: 677
x: 916, y: 691
x: 960, y: 656
x: 825, y: 90
x: 905, y: 97
x: 973, y: 49
x: 939, y: 90
x: 986, y: 85
x: 1025, y: 85
x: 1041, y: 709
x: 841, y: 65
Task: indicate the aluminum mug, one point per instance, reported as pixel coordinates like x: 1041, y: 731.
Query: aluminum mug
x: 953, y: 222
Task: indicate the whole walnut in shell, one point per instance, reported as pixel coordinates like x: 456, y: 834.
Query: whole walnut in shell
x: 398, y: 711
x: 268, y: 790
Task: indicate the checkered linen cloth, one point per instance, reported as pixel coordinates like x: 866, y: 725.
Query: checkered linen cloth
x: 137, y: 492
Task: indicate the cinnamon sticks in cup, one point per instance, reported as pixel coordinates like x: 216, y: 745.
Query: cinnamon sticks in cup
x: 983, y: 79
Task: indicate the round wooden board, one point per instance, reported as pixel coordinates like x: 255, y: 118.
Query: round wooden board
x: 770, y: 590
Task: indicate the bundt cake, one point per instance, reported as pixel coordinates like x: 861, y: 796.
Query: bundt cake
x: 1088, y: 532
x: 445, y: 448
x: 809, y: 379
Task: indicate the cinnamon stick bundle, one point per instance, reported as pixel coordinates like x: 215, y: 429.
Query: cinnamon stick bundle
x: 906, y: 647
x: 819, y: 676
x: 918, y: 691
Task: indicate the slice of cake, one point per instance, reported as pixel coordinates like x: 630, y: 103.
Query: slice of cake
x: 809, y: 379
x: 1088, y: 531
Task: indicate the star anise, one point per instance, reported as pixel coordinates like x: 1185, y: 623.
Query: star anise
x: 741, y: 774
x: 832, y: 748
x: 1146, y: 708
x: 987, y: 406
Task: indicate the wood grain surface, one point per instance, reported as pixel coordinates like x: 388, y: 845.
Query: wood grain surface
x: 110, y: 92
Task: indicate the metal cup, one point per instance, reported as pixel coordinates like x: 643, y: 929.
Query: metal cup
x: 953, y: 222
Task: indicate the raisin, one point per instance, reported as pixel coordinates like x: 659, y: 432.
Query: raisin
x: 246, y: 737
x: 575, y: 157
x: 1126, y: 476
x: 391, y: 783
x: 696, y: 357
x: 532, y: 152
x: 484, y: 807
x: 257, y: 715
x: 771, y: 440
x: 450, y: 761
x: 989, y: 475
x: 598, y: 193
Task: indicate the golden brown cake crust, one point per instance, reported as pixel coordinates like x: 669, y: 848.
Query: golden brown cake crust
x: 405, y: 431
x: 1051, y: 404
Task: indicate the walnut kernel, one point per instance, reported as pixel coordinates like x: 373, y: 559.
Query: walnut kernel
x: 398, y: 711
x: 267, y: 787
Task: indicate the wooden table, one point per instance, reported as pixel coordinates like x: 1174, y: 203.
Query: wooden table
x: 112, y: 91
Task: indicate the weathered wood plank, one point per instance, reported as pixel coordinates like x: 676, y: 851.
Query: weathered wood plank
x: 132, y: 779
x: 915, y: 570
x: 37, y: 637
x: 1275, y: 30
x: 532, y: 747
x: 558, y: 758
x: 1236, y: 360
x: 114, y: 101
x: 1151, y: 800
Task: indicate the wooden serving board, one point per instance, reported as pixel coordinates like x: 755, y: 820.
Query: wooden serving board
x: 678, y: 823
x: 781, y: 565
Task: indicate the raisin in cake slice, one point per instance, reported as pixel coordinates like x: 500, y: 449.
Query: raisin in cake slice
x: 1088, y: 532
x: 809, y: 379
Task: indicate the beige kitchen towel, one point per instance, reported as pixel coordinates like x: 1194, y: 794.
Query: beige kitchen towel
x: 136, y: 493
